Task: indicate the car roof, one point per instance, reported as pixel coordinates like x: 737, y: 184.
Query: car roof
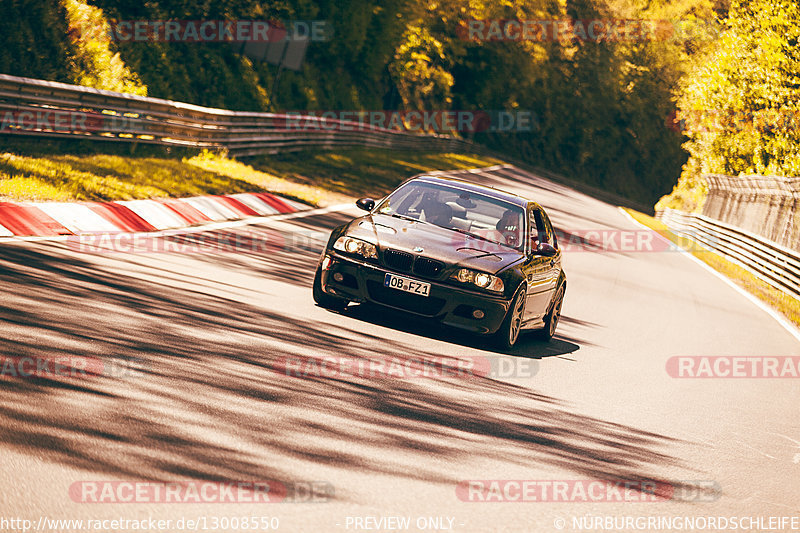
x: 474, y: 187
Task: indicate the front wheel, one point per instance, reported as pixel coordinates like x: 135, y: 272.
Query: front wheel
x: 551, y: 322
x: 506, y: 337
x: 323, y: 299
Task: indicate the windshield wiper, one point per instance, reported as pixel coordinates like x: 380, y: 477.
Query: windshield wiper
x: 482, y: 253
x: 406, y: 217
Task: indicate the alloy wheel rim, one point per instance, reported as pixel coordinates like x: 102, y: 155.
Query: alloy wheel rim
x: 556, y: 312
x: 516, y: 319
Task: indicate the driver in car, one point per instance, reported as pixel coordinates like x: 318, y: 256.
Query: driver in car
x: 509, y: 227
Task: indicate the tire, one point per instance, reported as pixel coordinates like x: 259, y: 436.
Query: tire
x: 511, y: 328
x: 323, y: 299
x: 551, y: 322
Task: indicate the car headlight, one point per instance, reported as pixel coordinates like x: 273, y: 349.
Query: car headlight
x: 480, y: 279
x: 356, y: 247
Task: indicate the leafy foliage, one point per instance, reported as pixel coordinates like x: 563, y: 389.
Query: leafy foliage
x: 94, y: 63
x: 33, y: 39
x: 603, y: 110
x: 740, y: 105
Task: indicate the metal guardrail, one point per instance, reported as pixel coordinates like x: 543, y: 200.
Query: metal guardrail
x: 766, y: 205
x: 48, y: 109
x: 33, y: 107
x: 774, y: 264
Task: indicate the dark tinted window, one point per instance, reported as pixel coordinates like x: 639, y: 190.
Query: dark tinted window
x: 549, y: 229
x: 542, y: 235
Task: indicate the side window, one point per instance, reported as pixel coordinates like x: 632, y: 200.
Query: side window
x: 540, y: 230
x: 549, y: 229
x: 533, y: 231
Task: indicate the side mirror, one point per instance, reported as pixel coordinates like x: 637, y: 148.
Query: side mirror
x: 367, y: 204
x: 545, y: 249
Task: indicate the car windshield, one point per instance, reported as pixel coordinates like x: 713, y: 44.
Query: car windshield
x: 486, y: 218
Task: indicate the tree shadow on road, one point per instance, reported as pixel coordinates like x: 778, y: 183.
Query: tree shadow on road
x: 527, y: 345
x: 194, y: 386
x: 285, y: 253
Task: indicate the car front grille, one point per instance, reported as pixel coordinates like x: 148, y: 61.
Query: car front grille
x: 401, y: 261
x: 397, y: 260
x: 423, y: 305
x: 428, y: 268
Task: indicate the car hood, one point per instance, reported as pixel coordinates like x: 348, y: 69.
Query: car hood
x: 449, y: 246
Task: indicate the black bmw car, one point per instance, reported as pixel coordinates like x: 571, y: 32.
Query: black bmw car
x: 470, y: 256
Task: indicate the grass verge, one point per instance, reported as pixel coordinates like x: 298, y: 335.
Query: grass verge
x: 364, y: 172
x: 779, y: 300
x: 315, y: 178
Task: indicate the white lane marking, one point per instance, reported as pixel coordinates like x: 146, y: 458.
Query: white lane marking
x: 796, y: 457
x: 787, y: 438
x: 751, y: 447
x: 205, y: 227
x: 779, y: 318
x: 768, y: 456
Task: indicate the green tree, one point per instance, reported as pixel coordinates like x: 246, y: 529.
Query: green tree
x: 34, y: 39
x: 740, y: 105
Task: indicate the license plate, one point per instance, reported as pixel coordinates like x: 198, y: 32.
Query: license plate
x: 408, y: 285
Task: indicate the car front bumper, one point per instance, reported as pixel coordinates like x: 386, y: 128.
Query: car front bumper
x: 452, y: 306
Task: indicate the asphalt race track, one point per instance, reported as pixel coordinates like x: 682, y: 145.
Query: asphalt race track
x: 190, y: 352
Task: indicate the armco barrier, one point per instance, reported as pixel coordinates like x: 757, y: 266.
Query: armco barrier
x: 764, y: 205
x: 33, y: 107
x: 776, y: 265
x: 51, y: 109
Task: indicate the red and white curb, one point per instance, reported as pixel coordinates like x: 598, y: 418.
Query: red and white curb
x: 43, y: 219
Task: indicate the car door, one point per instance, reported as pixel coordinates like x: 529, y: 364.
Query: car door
x: 555, y: 261
x: 538, y: 269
